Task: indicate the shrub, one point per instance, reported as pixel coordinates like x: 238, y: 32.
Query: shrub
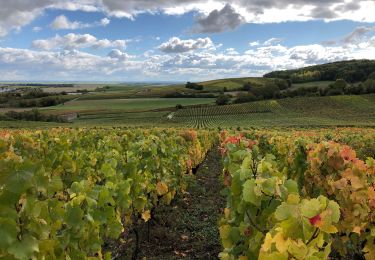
x: 244, y: 98
x: 222, y: 100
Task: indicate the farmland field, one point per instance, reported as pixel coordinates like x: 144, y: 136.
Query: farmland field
x: 187, y: 130
x: 140, y: 104
x: 200, y: 113
x: 118, y: 185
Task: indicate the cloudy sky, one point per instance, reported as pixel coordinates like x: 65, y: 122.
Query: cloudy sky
x: 177, y: 40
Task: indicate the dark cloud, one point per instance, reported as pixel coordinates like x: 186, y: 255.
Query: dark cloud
x: 323, y: 13
x: 219, y: 20
x: 351, y: 6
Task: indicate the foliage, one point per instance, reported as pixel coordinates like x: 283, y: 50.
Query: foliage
x: 296, y: 197
x: 65, y: 193
x: 244, y: 98
x: 222, y: 100
x: 351, y: 71
x: 32, y: 115
x: 194, y: 86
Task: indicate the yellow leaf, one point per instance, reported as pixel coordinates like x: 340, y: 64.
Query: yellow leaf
x: 161, y: 188
x: 369, y: 250
x: 280, y: 243
x: 331, y: 229
x: 267, y: 243
x: 227, y: 213
x: 146, y: 215
x: 357, y: 230
x: 293, y: 199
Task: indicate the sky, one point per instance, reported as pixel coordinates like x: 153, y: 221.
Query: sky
x: 177, y: 40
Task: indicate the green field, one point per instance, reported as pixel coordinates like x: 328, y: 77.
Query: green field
x: 305, y: 111
x: 129, y: 105
x: 302, y: 111
x: 232, y: 83
x: 319, y: 84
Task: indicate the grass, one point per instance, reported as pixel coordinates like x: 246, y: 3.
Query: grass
x: 303, y: 111
x: 128, y: 105
x: 319, y: 84
x: 289, y: 112
x: 232, y: 83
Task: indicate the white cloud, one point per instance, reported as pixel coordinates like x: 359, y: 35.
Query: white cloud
x: 253, y: 44
x: 77, y: 41
x: 231, y: 51
x: 105, y: 21
x: 176, y: 45
x: 37, y: 29
x: 66, y: 63
x: 61, y: 22
x: 16, y: 14
x: 358, y: 34
x: 272, y: 41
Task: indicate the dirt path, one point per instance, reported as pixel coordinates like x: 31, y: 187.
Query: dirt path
x: 188, y: 229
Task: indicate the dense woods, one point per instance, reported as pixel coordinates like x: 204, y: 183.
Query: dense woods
x: 351, y: 71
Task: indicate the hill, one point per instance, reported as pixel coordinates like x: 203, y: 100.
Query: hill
x: 355, y: 110
x: 351, y: 71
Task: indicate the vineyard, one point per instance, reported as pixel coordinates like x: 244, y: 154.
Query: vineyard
x: 339, y: 110
x: 68, y: 192
x: 294, y: 197
x: 290, y: 194
x: 214, y: 116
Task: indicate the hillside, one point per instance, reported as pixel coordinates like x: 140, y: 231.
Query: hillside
x: 351, y: 71
x: 355, y: 110
x: 233, y: 83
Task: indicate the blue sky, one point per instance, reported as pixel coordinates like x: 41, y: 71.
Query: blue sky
x: 144, y: 40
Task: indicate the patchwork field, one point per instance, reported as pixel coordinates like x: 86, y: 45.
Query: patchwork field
x: 202, y: 113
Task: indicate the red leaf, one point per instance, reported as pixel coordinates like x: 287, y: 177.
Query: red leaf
x: 315, y: 220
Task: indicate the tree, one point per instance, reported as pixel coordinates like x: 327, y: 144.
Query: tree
x: 195, y: 86
x: 246, y: 87
x: 336, y: 88
x: 372, y: 76
x: 270, y: 90
x: 354, y: 89
x: 370, y: 86
x: 244, y: 98
x: 222, y: 100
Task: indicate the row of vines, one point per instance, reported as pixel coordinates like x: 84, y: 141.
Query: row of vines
x: 66, y: 193
x: 298, y: 195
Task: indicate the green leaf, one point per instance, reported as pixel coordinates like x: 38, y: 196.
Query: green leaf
x: 25, y: 248
x: 335, y: 210
x: 8, y: 232
x: 311, y: 208
x: 284, y: 211
x: 236, y: 186
x: 249, y: 194
x: 74, y: 215
x: 291, y: 186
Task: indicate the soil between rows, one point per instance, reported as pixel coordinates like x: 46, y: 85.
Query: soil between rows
x: 188, y: 228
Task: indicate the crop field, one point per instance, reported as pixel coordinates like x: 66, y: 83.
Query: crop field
x: 201, y: 113
x: 310, y: 111
x: 101, y: 193
x: 319, y: 84
x: 139, y: 104
x: 234, y: 83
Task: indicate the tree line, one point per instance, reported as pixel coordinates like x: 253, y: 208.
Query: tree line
x: 351, y: 71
